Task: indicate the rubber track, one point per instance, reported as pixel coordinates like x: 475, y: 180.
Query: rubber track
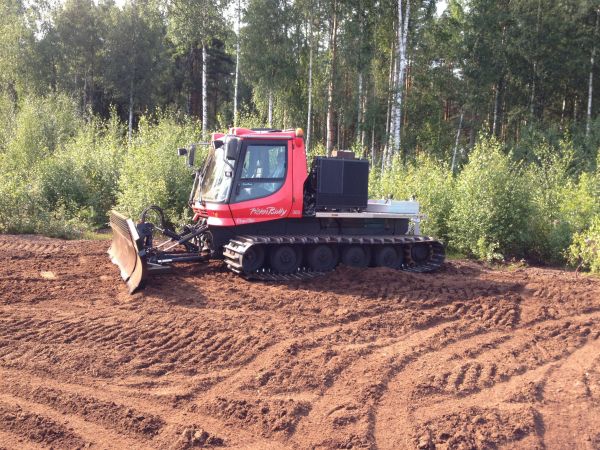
x: 237, y: 246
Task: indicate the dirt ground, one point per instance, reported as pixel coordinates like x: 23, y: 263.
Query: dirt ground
x: 464, y: 358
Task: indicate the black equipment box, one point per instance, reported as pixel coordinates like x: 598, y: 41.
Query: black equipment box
x: 340, y: 183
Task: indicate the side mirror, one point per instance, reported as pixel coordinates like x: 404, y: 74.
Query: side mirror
x: 232, y: 148
x: 191, y: 155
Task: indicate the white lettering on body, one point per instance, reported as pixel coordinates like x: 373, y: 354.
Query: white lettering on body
x: 268, y: 211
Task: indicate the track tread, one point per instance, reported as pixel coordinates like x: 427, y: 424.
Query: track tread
x: 237, y: 246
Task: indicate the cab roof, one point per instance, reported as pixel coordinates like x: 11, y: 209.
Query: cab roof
x: 260, y: 133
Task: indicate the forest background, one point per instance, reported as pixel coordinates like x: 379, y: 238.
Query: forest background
x: 485, y: 111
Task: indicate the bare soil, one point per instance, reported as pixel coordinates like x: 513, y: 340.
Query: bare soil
x: 465, y: 358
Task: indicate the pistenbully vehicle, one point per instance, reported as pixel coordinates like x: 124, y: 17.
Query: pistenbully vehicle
x: 258, y: 208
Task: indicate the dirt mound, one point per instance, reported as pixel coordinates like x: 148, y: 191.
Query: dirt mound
x: 464, y: 358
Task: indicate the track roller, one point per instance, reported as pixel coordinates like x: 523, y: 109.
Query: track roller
x: 356, y: 255
x: 386, y: 256
x: 285, y: 258
x: 322, y: 257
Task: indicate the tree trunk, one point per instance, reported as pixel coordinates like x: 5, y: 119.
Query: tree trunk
x: 532, y: 98
x: 204, y: 92
x: 359, y: 107
x: 456, y: 141
x: 588, y: 123
x: 310, y: 62
x: 130, y: 122
x: 496, y: 104
x: 537, y: 37
x: 84, y: 98
x: 340, y: 117
x: 330, y: 88
x: 270, y: 111
x: 390, y: 99
x: 237, y: 68
x: 403, y: 20
x: 373, y: 145
x: 363, y: 107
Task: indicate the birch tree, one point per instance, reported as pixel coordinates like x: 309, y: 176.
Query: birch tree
x: 310, y: 79
x: 237, y: 63
x: 399, y: 75
x: 267, y: 52
x: 591, y: 76
x: 133, y: 52
x: 192, y: 25
x: 332, y: 73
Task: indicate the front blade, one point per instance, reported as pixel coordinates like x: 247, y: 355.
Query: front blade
x: 124, y: 251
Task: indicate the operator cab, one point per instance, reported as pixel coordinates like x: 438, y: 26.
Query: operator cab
x: 258, y: 169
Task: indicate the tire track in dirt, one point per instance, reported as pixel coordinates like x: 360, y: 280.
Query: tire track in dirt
x: 468, y: 356
x: 57, y: 396
x: 569, y: 399
x: 436, y: 406
x: 35, y: 427
x: 8, y: 441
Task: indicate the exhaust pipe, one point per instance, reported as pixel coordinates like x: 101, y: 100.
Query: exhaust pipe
x: 125, y: 252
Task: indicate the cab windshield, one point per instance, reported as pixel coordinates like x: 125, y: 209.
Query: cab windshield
x: 214, y: 186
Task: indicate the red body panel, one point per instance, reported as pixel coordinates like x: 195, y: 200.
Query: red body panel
x: 286, y: 202
x: 218, y: 214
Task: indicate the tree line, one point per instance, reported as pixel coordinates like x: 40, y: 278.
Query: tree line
x: 385, y: 77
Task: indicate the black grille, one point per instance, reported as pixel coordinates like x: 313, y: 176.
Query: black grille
x: 340, y: 184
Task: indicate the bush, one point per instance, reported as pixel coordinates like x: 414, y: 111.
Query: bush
x: 427, y: 181
x: 152, y: 173
x: 22, y: 210
x: 548, y: 182
x: 581, y: 201
x: 491, y: 211
x: 80, y: 178
x: 7, y: 120
x: 42, y: 126
x: 585, y: 250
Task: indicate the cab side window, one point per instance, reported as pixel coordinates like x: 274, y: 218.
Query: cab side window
x: 263, y: 171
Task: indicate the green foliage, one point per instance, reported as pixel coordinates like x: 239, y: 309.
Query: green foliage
x: 581, y: 201
x: 248, y: 120
x: 62, y: 175
x: 42, y: 126
x: 548, y: 180
x: 23, y: 210
x: 7, y: 123
x: 317, y: 150
x: 491, y: 209
x: 427, y: 181
x: 84, y: 174
x: 585, y: 250
x: 152, y: 173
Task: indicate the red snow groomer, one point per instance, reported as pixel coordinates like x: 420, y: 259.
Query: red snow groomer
x: 258, y: 208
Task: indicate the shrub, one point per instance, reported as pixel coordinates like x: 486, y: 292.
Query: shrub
x: 7, y: 120
x: 581, y: 201
x: 585, y: 249
x: 42, y: 125
x: 548, y: 178
x: 82, y: 176
x: 22, y: 210
x: 152, y: 173
x: 425, y: 180
x: 490, y: 215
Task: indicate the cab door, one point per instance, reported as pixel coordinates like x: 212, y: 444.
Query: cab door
x: 262, y: 189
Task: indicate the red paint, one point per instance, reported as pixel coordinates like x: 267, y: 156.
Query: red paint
x: 286, y: 202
